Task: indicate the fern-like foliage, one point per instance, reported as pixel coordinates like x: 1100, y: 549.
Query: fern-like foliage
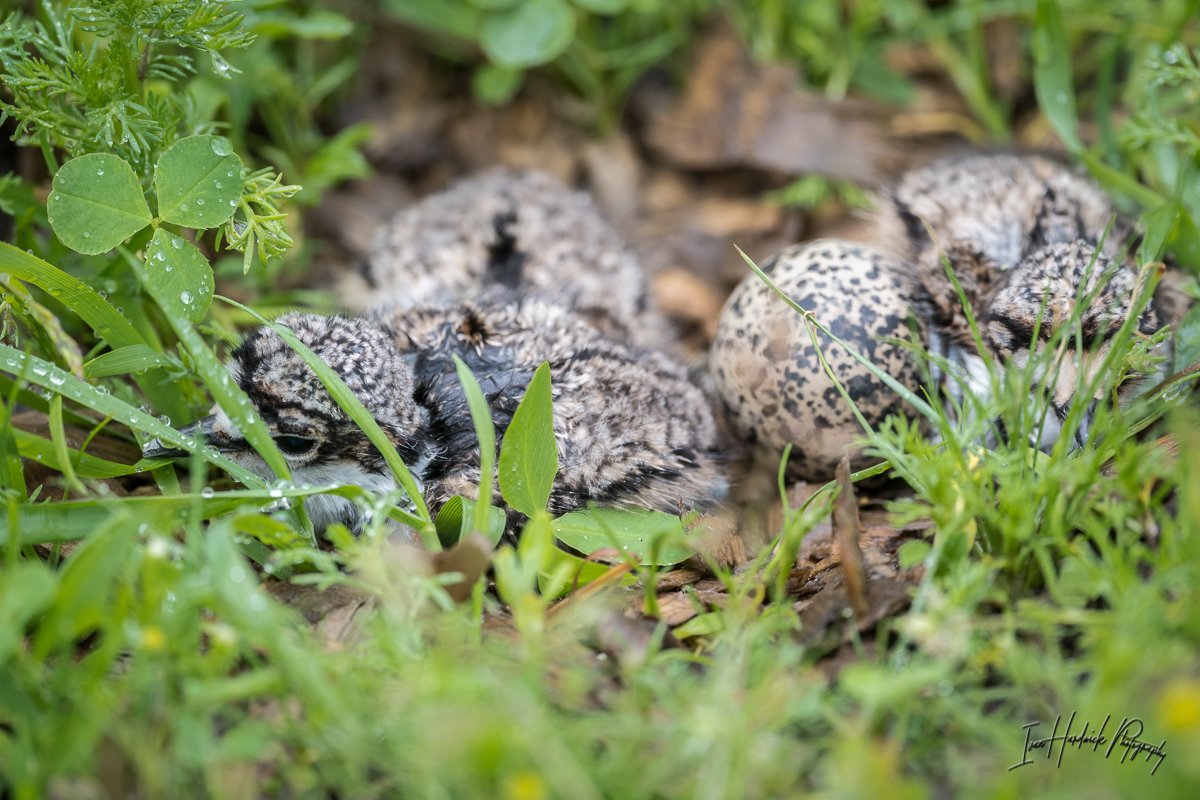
x: 80, y: 78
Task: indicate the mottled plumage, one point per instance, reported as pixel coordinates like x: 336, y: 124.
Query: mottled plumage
x: 506, y: 270
x: 508, y: 232
x: 631, y: 430
x: 988, y: 213
x: 1015, y: 230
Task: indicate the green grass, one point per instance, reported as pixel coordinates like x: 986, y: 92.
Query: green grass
x: 154, y: 661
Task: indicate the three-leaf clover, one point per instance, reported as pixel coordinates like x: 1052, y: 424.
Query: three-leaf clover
x: 96, y: 203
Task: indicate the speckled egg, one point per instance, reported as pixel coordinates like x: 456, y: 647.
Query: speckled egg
x: 766, y: 368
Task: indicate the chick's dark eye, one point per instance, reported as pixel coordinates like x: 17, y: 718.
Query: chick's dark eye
x: 295, y: 445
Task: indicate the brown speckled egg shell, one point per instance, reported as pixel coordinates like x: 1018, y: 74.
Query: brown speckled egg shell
x: 766, y: 368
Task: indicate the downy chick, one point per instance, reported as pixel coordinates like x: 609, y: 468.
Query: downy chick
x: 631, y: 430
x: 1014, y: 228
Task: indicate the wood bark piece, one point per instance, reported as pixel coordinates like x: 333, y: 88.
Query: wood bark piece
x: 845, y: 526
x: 734, y: 112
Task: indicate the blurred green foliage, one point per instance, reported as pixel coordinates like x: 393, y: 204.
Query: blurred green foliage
x: 154, y: 660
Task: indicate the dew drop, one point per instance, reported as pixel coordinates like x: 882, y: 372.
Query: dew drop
x: 275, y: 493
x: 99, y: 172
x: 164, y: 419
x: 218, y: 184
x: 207, y: 492
x: 160, y: 256
x: 221, y: 145
x: 183, y: 206
x: 87, y: 235
x: 58, y: 377
x: 233, y: 203
x: 168, y: 268
x: 186, y: 297
x: 176, y: 243
x: 103, y: 294
x: 199, y: 201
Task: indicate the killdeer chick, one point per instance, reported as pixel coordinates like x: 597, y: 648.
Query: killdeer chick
x: 1015, y: 230
x: 631, y: 430
x: 1038, y: 298
x: 516, y: 232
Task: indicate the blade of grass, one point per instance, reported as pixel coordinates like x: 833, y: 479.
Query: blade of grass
x: 85, y: 466
x: 62, y: 452
x: 124, y: 360
x: 94, y: 310
x: 51, y: 377
x: 74, y: 294
x: 77, y: 519
x: 485, y: 430
x: 354, y: 409
x: 225, y: 391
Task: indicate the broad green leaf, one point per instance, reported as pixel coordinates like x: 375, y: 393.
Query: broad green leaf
x: 529, y: 454
x: 495, y: 86
x: 96, y: 203
x: 180, y: 274
x: 124, y: 360
x: 199, y: 182
x: 629, y: 530
x: 533, y: 33
x: 485, y: 430
x: 1052, y: 73
x: 457, y: 518
x: 354, y: 409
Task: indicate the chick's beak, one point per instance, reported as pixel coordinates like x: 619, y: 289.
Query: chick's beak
x: 202, y: 430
